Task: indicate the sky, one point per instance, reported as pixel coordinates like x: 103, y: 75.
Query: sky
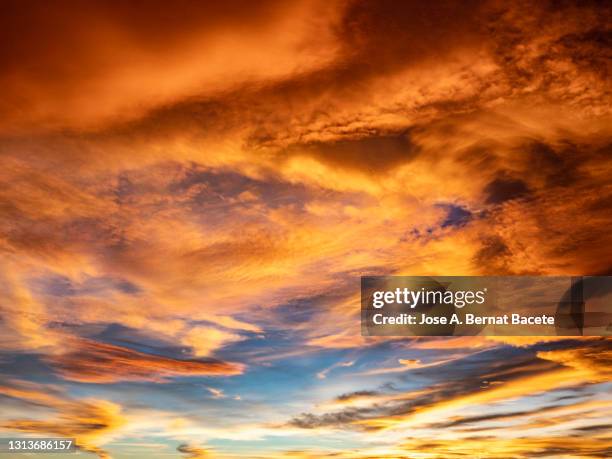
x: 190, y: 192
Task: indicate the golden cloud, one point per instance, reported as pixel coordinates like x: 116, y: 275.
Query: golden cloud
x: 90, y: 421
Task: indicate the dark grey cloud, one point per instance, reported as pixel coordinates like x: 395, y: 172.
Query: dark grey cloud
x: 456, y: 216
x: 357, y: 394
x: 504, y: 188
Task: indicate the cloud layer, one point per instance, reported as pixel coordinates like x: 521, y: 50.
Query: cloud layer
x: 189, y: 195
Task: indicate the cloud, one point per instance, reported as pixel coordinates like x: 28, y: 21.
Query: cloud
x: 594, y: 360
x: 548, y: 412
x: 101, y: 363
x: 455, y: 342
x: 323, y: 373
x: 120, y: 62
x: 525, y: 341
x: 504, y: 189
x: 216, y: 393
x: 488, y: 381
x: 90, y: 421
x: 349, y: 397
x: 194, y: 452
x: 408, y: 365
x: 204, y: 340
x: 497, y: 448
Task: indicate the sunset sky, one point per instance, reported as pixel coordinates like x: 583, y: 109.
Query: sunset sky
x: 191, y: 190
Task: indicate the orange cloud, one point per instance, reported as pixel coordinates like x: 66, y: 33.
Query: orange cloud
x: 101, y: 363
x: 121, y: 61
x: 594, y: 361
